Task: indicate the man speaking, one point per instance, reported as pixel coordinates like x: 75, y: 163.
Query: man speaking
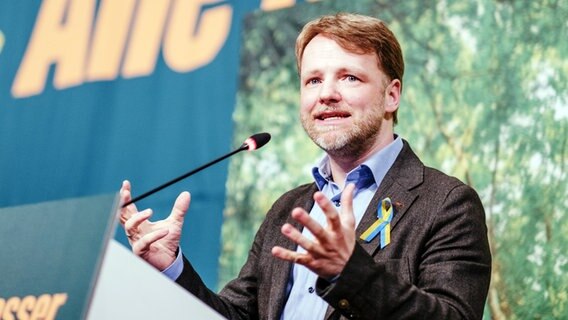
x: 376, y: 235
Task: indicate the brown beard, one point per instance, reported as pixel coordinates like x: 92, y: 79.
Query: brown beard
x: 355, y: 142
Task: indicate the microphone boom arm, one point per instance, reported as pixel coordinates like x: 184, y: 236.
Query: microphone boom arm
x: 243, y: 147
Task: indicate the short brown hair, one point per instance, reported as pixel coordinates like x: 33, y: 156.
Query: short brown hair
x: 358, y: 34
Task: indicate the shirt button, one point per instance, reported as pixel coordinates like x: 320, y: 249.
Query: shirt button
x: 344, y: 304
x: 311, y: 290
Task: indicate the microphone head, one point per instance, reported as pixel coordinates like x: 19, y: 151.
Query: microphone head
x: 256, y: 141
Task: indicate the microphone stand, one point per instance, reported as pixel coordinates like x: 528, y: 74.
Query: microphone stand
x: 243, y: 147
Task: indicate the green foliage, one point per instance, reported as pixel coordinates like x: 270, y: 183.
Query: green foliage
x: 485, y: 99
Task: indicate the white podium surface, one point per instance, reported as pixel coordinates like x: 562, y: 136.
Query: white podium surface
x: 129, y: 288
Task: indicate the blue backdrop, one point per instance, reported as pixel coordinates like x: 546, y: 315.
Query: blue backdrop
x: 94, y: 92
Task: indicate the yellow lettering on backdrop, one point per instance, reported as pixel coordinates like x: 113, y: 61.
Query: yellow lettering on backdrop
x: 57, y: 302
x: 127, y: 32
x: 41, y: 307
x: 27, y: 305
x: 11, y: 306
x: 1, y: 41
x: 44, y: 307
x: 268, y: 5
x: 145, y: 38
x: 109, y: 39
x: 60, y: 37
x: 188, y: 45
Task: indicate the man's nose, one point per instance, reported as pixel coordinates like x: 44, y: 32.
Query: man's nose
x: 329, y: 92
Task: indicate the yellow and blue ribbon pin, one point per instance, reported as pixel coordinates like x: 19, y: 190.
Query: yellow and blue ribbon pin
x: 382, y: 225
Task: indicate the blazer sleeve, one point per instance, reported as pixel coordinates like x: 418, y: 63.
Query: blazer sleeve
x: 236, y: 301
x: 454, y: 271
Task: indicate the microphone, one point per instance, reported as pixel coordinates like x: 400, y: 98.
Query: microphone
x: 254, y: 142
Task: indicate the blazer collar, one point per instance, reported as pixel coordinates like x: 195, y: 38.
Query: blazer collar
x: 406, y: 173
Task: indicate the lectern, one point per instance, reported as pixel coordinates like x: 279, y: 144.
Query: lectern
x: 58, y: 260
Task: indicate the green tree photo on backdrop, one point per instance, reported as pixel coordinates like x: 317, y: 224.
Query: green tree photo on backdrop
x: 485, y: 99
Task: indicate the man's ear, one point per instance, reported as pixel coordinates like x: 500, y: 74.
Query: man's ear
x: 392, y: 96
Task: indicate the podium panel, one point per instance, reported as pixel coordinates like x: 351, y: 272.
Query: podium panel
x: 50, y: 256
x: 58, y: 261
x: 129, y: 288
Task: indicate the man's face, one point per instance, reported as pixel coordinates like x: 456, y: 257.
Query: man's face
x: 342, y: 98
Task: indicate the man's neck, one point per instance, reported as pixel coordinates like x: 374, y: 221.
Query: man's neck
x: 341, y: 165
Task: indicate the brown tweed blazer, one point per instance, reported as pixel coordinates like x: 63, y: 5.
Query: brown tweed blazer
x: 437, y: 266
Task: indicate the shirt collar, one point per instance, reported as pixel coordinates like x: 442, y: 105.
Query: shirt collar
x: 377, y: 166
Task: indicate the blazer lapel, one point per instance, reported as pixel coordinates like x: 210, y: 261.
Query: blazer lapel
x: 330, y: 313
x: 401, y: 199
x: 405, y: 174
x: 281, y: 268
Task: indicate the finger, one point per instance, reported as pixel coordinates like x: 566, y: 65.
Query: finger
x: 125, y: 196
x: 329, y: 210
x: 282, y: 253
x: 125, y: 192
x: 132, y: 224
x: 180, y: 208
x: 144, y: 243
x: 292, y: 256
x: 126, y: 185
x: 304, y: 218
x: 295, y: 235
x: 347, y: 215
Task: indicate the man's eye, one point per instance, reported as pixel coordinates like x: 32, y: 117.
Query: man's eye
x: 352, y: 78
x: 314, y: 81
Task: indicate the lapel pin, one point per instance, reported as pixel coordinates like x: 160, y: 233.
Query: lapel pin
x: 382, y: 225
